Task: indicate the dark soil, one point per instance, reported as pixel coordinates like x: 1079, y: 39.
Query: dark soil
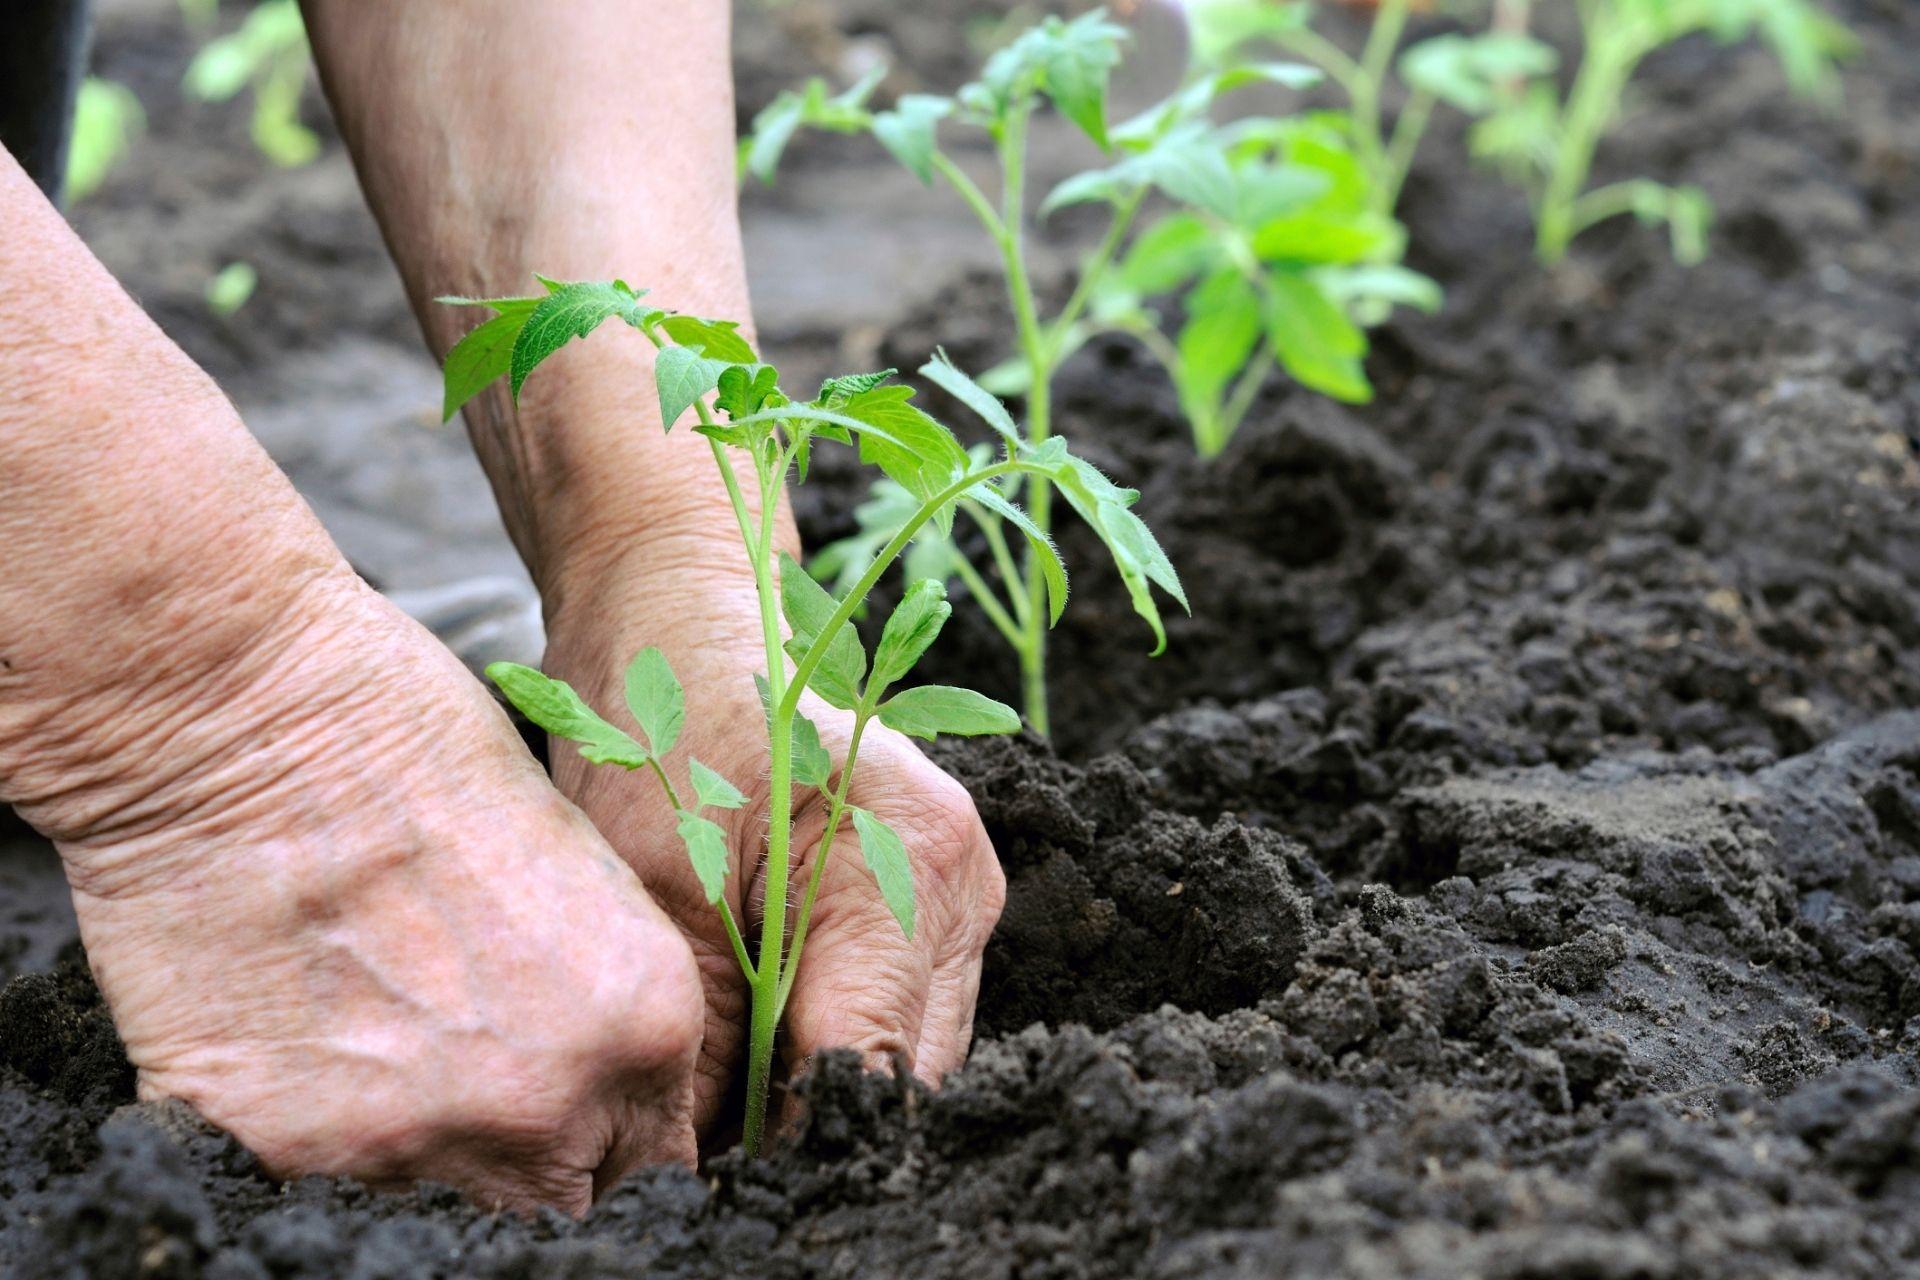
x: 1511, y: 870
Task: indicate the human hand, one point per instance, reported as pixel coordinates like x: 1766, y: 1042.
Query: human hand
x: 335, y: 906
x: 861, y: 983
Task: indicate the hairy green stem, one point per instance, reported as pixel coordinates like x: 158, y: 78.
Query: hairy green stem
x: 836, y: 814
x: 763, y: 978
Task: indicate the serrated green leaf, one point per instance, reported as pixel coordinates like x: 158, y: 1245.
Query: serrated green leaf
x: 915, y: 451
x: 555, y: 707
x: 808, y: 609
x: 1078, y: 64
x: 502, y: 306
x: 835, y: 392
x: 1070, y: 62
x: 1322, y: 236
x: 706, y: 842
x: 713, y: 789
x: 682, y: 376
x: 656, y: 699
x: 1096, y: 186
x: 1135, y: 551
x: 1222, y: 331
x: 1522, y: 137
x: 773, y: 129
x: 1219, y: 27
x: 949, y: 377
x: 779, y: 120
x: 1189, y: 164
x: 573, y: 310
x: 1194, y: 101
x: 1270, y: 191
x: 1167, y: 255
x: 812, y: 766
x: 832, y: 690
x: 1380, y: 286
x: 744, y: 389
x: 931, y: 710
x: 914, y: 624
x: 908, y: 131
x: 477, y: 360
x: 886, y: 857
x: 1470, y: 73
x: 1314, y: 340
x: 1039, y: 545
x: 718, y: 339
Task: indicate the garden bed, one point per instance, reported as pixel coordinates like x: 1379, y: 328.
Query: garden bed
x: 1512, y: 869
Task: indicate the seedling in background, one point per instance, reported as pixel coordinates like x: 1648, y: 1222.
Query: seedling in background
x: 231, y: 287
x: 1463, y: 70
x: 817, y: 648
x: 1547, y: 144
x: 269, y: 53
x: 1270, y: 241
x: 107, y: 117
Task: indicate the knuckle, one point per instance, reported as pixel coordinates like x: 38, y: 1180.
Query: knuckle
x: 661, y: 1028
x: 993, y: 896
x: 946, y: 830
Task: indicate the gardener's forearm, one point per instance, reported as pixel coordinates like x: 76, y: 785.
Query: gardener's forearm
x: 146, y: 542
x: 495, y: 140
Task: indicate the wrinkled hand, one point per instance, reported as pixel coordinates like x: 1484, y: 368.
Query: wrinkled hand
x: 861, y: 983
x: 339, y: 910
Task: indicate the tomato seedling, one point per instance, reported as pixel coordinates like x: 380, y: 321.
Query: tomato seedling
x: 269, y: 54
x: 1547, y: 144
x: 1459, y: 69
x: 1269, y: 241
x: 818, y: 648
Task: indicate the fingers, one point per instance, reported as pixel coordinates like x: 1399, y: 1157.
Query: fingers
x: 946, y: 1028
x: 863, y: 984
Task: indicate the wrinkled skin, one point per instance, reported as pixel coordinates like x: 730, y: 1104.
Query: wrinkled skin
x: 385, y: 946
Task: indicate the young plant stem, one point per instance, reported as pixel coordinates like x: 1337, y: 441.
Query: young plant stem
x: 1002, y: 558
x: 1326, y: 55
x: 763, y: 978
x: 1610, y: 201
x: 1389, y: 22
x: 1408, y: 130
x: 1596, y: 90
x: 836, y: 814
x: 1037, y: 348
x: 1092, y: 270
x: 1239, y: 401
x: 989, y: 601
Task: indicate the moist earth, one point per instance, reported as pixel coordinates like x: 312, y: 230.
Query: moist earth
x: 1512, y: 869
